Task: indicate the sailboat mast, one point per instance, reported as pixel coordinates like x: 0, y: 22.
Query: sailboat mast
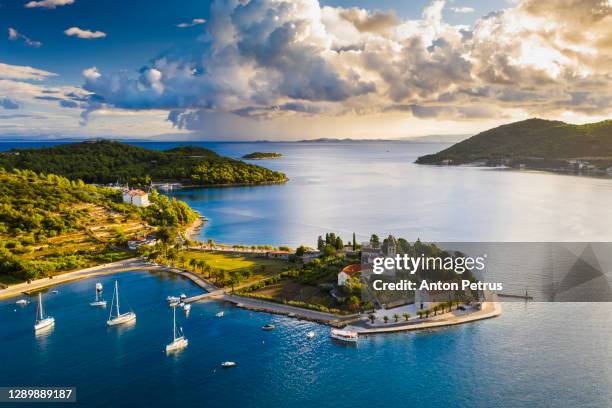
x: 41, y: 305
x: 174, y: 324
x: 117, y: 290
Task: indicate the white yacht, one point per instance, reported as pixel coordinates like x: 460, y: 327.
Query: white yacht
x: 22, y: 302
x: 119, y: 318
x: 220, y: 314
x: 311, y: 334
x: 99, y: 302
x: 187, y: 308
x: 228, y: 364
x: 344, y: 335
x: 42, y: 322
x: 178, y: 342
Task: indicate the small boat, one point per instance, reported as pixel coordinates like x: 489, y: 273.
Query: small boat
x: 239, y: 304
x: 42, y: 322
x: 311, y: 334
x: 220, y: 314
x: 120, y: 318
x: 291, y: 314
x: 228, y: 364
x: 344, y: 335
x: 55, y: 292
x: 268, y: 327
x: 22, y: 302
x: 187, y: 308
x: 178, y: 342
x: 182, y: 296
x: 99, y: 302
x: 172, y: 299
x: 181, y: 304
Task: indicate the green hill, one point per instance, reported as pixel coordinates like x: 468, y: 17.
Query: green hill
x: 536, y: 142
x: 108, y: 161
x: 49, y: 224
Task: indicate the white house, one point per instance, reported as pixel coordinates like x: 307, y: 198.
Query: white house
x: 347, y: 272
x: 135, y: 197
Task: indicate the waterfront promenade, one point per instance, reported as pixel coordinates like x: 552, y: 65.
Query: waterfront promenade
x: 358, y: 322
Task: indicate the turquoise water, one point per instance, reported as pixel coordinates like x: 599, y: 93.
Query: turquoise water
x: 535, y: 355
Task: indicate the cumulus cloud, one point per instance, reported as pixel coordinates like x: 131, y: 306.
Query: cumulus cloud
x: 48, y: 4
x: 85, y: 34
x: 267, y: 59
x: 194, y: 22
x: 9, y: 103
x: 14, y: 35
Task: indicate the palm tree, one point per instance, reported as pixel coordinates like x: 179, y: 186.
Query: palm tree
x: 427, y: 312
x: 385, y: 318
x: 435, y: 309
x: 233, y: 279
x: 211, y: 243
x: 193, y: 263
x: 372, y: 317
x: 396, y: 317
x: 420, y: 314
x: 182, y: 261
x: 406, y: 316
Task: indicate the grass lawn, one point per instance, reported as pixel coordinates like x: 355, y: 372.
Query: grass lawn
x: 288, y: 289
x: 239, y: 263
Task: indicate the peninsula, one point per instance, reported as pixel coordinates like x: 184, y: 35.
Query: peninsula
x: 104, y: 161
x: 535, y: 144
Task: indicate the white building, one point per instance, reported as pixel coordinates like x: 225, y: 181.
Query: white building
x: 135, y: 197
x: 347, y: 272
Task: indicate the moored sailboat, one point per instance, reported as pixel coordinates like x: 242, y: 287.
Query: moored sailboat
x: 178, y: 342
x: 99, y: 302
x: 42, y: 322
x: 119, y: 318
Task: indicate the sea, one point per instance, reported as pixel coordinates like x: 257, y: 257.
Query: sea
x: 536, y: 354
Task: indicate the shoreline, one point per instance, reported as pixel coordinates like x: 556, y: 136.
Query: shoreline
x: 491, y: 308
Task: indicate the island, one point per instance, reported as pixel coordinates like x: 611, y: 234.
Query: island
x: 261, y: 155
x: 105, y: 161
x: 535, y: 144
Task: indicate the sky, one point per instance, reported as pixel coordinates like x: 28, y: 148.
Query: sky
x: 300, y: 69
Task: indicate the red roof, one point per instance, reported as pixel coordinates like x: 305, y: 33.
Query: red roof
x: 352, y: 269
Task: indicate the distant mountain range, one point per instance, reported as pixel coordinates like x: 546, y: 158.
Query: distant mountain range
x: 531, y: 141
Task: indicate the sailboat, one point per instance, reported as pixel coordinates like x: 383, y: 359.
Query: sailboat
x: 120, y: 318
x: 42, y: 322
x: 99, y: 301
x: 178, y: 342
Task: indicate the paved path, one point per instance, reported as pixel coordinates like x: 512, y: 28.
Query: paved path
x: 279, y: 308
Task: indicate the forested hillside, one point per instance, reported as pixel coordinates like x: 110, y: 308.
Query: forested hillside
x: 50, y: 224
x: 108, y: 162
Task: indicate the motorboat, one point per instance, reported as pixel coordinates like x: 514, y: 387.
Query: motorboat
x: 344, y: 335
x: 187, y: 308
x: 178, y: 341
x: 311, y: 334
x: 220, y: 314
x: 22, y: 302
x: 268, y: 327
x: 42, y: 322
x: 228, y: 364
x: 120, y: 318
